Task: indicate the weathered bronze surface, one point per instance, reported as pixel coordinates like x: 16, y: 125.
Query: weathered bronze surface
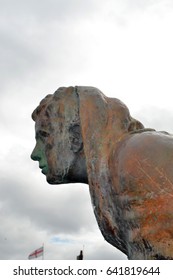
x: 84, y: 136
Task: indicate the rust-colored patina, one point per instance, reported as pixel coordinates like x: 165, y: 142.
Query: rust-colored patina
x: 84, y: 136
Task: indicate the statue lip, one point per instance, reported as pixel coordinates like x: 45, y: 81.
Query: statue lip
x: 43, y: 168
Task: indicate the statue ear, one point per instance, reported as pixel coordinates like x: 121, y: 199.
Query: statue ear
x: 75, y: 138
x: 135, y: 125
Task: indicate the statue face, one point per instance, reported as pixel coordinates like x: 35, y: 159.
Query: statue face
x: 39, y: 152
x: 53, y: 149
x: 59, y: 144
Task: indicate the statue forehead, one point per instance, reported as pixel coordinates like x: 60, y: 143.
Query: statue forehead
x: 58, y: 108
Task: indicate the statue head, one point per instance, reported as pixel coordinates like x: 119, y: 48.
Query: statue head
x: 72, y: 120
x: 59, y: 146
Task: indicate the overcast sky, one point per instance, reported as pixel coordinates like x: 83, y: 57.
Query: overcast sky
x: 123, y: 47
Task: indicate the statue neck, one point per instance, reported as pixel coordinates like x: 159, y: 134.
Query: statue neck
x: 78, y: 172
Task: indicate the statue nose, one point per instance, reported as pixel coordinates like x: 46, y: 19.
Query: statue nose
x: 35, y: 155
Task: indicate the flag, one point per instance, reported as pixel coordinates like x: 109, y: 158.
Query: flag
x: 37, y: 253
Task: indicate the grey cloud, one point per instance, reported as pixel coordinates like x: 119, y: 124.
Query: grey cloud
x: 104, y: 251
x: 41, y: 35
x: 33, y: 37
x: 131, y: 6
x: 17, y: 56
x: 140, y: 4
x: 157, y: 118
x: 34, y: 218
x: 61, y: 211
x: 49, y: 10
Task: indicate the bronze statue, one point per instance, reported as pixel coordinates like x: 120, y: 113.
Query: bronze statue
x: 84, y: 136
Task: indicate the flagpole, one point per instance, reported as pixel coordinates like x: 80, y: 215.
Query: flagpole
x: 83, y: 250
x: 43, y: 252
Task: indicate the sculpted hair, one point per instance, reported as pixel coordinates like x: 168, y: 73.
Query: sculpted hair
x: 42, y: 106
x: 50, y: 107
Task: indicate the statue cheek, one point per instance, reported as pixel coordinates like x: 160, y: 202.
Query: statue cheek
x: 49, y: 147
x: 51, y: 152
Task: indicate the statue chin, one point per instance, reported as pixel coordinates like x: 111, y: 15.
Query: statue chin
x: 56, y: 179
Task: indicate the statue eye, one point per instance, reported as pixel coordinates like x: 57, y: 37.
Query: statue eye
x: 43, y: 134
